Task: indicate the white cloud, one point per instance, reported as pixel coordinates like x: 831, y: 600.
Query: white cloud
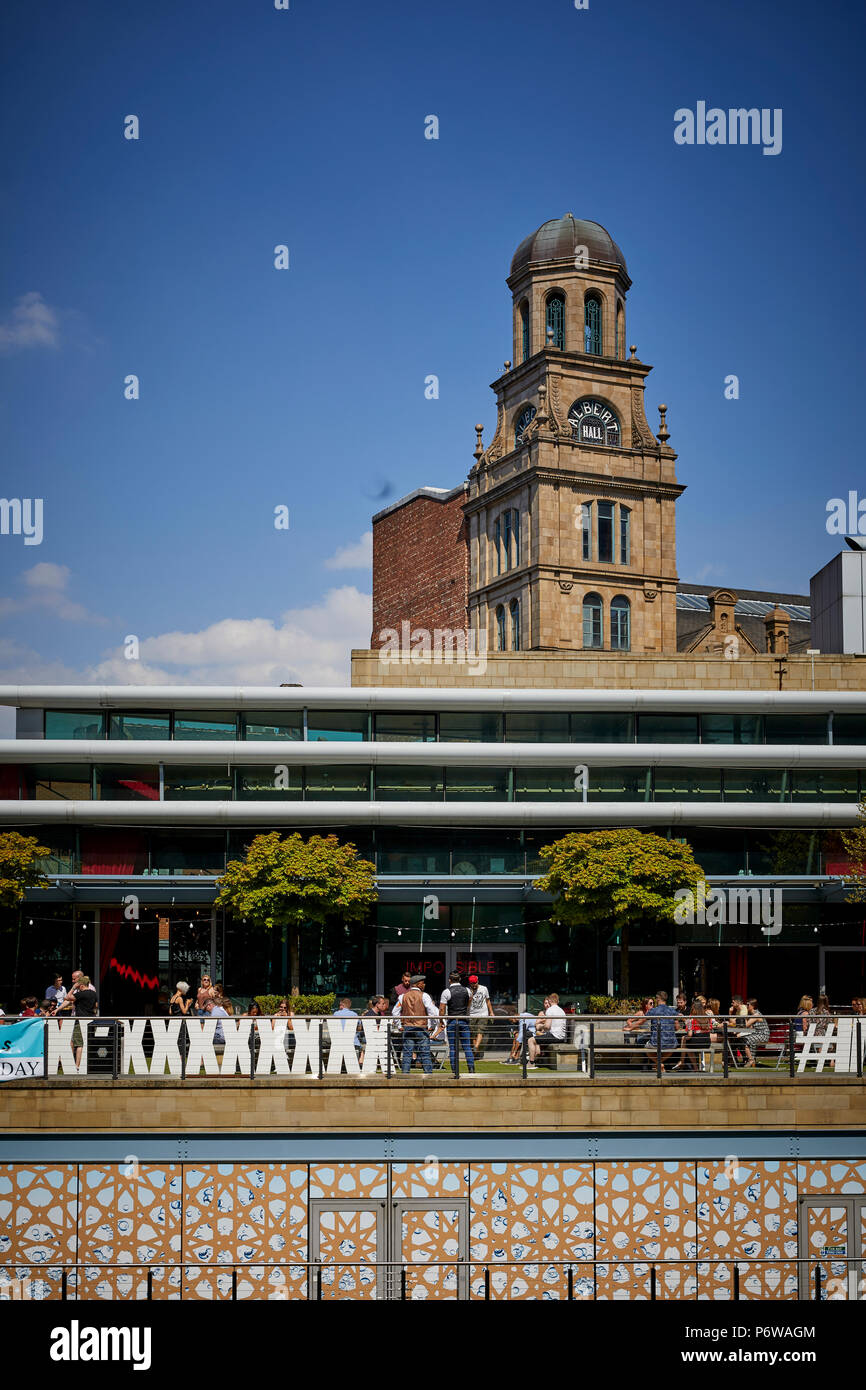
x: 32, y: 323
x: 45, y: 585
x: 353, y: 557
x: 309, y: 644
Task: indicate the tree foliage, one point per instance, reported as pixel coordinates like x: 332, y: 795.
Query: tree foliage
x: 854, y: 844
x: 616, y: 876
x: 287, y: 882
x: 19, y: 867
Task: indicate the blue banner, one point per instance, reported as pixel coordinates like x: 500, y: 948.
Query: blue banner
x: 21, y: 1055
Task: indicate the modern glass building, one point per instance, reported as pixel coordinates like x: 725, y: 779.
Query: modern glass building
x: 144, y: 793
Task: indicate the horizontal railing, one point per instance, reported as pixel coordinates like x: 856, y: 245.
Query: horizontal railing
x: 818, y: 1278
x: 677, y: 1047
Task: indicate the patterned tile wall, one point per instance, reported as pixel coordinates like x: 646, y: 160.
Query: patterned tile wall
x: 192, y: 1223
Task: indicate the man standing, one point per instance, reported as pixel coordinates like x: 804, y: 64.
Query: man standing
x: 663, y: 1028
x: 214, y: 1010
x: 454, y: 1003
x: 57, y: 991
x: 85, y: 1003
x: 376, y: 1008
x: 399, y: 990
x: 415, y: 1008
x: 346, y: 1011
x: 480, y: 1012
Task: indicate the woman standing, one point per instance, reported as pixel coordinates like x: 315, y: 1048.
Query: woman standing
x: 205, y: 991
x: 180, y: 1004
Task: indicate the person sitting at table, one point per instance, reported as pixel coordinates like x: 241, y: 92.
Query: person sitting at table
x: 636, y: 1023
x: 758, y: 1031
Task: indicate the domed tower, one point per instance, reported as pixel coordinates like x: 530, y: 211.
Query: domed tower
x: 571, y: 506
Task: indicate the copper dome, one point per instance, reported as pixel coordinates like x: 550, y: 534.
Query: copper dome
x: 557, y: 240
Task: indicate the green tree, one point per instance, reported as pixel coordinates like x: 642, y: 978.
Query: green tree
x: 292, y: 882
x: 854, y: 845
x: 19, y: 867
x: 611, y: 877
x: 19, y: 870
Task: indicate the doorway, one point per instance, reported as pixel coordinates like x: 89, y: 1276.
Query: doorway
x: 386, y: 1250
x: 831, y: 1238
x: 501, y: 968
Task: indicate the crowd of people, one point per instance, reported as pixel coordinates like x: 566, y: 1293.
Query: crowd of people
x: 676, y: 1038
x: 689, y: 1032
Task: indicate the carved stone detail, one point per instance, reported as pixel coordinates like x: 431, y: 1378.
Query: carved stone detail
x: 642, y: 436
x: 566, y: 585
x: 650, y: 595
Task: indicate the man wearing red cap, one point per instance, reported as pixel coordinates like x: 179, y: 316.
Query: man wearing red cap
x: 480, y: 1010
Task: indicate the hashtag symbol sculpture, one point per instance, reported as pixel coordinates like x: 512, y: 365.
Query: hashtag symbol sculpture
x: 819, y: 1049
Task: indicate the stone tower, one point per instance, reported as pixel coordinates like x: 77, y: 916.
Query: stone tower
x: 570, y: 508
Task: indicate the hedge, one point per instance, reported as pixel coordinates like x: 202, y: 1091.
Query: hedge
x: 298, y: 1003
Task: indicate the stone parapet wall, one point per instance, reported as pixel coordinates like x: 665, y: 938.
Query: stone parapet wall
x: 485, y: 1105
x: 552, y: 670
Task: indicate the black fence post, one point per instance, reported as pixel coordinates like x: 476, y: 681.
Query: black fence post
x: 64, y: 1289
x: 388, y: 1043
x: 736, y: 1283
x: 790, y: 1047
x: 570, y: 1284
x: 321, y: 1042
x: 45, y: 1049
x: 726, y: 1060
x: 658, y: 1048
x: 183, y: 1049
x: 115, y: 1040
x: 319, y: 1282
x: 234, y: 1285
x: 858, y: 1038
x: 403, y: 1284
x: 591, y: 1049
x: 487, y: 1283
x: 817, y: 1283
x: 149, y: 1283
x: 524, y: 1050
x: 457, y: 1044
x: 252, y: 1049
x: 652, y: 1283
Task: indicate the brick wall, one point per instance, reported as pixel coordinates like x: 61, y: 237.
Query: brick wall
x: 420, y: 565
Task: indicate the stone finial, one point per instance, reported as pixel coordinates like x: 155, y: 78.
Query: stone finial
x: 479, y: 447
x: 664, y: 432
x: 776, y: 627
x: 507, y: 365
x: 542, y: 417
x: 633, y: 351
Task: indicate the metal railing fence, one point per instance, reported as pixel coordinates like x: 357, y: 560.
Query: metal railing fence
x: 678, y: 1047
x: 815, y: 1278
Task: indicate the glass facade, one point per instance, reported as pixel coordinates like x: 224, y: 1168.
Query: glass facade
x: 140, y: 726
x: 74, y: 724
x: 402, y: 725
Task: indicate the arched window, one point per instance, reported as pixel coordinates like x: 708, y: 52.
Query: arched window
x: 624, y: 535
x: 514, y: 608
x: 593, y: 621
x: 620, y: 624
x: 556, y: 319
x: 620, y: 332
x: 500, y: 628
x: 605, y: 532
x: 592, y: 325
x: 506, y: 539
x: 524, y: 331
x: 586, y: 530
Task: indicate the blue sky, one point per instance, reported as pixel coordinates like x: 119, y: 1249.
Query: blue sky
x: 306, y: 387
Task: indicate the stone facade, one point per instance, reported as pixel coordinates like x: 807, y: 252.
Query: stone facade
x: 611, y: 671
